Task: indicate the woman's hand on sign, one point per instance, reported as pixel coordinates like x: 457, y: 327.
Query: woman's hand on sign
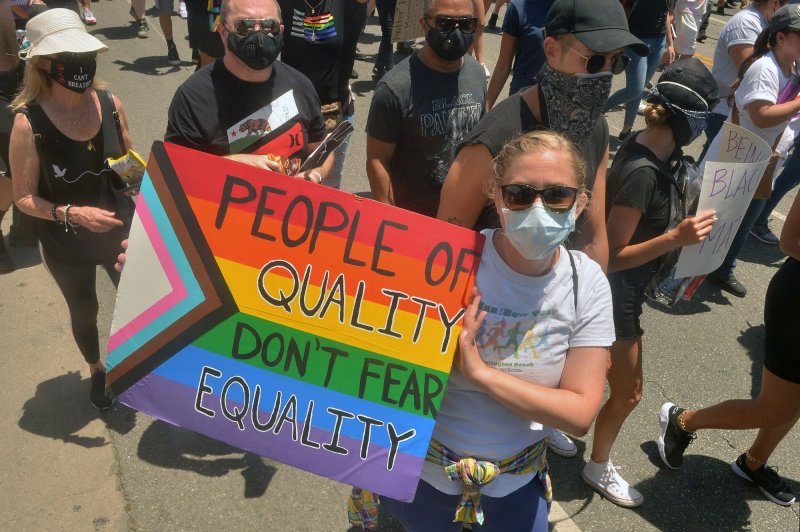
x: 122, y: 257
x: 694, y: 229
x: 94, y: 219
x: 468, y: 359
x: 315, y: 175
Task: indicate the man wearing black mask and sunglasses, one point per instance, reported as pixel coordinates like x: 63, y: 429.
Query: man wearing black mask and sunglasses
x: 247, y: 105
x: 423, y: 108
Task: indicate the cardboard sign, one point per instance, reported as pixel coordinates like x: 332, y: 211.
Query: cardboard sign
x: 406, y: 25
x: 305, y: 324
x: 735, y: 163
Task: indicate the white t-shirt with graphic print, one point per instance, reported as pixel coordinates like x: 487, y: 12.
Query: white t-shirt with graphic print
x: 530, y: 324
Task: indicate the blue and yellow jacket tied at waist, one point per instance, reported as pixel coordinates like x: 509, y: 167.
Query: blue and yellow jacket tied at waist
x: 362, y: 508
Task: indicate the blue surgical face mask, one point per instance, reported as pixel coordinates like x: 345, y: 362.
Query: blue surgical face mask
x: 536, y: 232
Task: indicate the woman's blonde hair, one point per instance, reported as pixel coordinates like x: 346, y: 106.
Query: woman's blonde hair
x: 538, y: 142
x: 36, y: 84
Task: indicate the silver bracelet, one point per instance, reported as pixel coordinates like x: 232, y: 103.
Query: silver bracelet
x: 68, y: 223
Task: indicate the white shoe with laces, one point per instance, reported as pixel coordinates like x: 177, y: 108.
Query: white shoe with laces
x: 561, y: 444
x: 606, y: 481
x: 182, y: 10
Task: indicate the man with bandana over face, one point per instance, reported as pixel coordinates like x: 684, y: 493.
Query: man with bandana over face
x: 423, y: 108
x: 248, y: 106
x: 583, y: 48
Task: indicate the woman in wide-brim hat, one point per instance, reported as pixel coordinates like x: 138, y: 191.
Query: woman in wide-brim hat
x: 64, y: 130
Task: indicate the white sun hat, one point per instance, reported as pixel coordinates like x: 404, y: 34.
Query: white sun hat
x: 57, y: 31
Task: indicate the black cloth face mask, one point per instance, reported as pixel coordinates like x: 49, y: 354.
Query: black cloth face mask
x: 449, y: 46
x: 258, y: 50
x: 75, y: 74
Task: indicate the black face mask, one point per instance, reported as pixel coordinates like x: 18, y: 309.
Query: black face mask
x: 449, y: 46
x: 256, y: 50
x: 74, y: 74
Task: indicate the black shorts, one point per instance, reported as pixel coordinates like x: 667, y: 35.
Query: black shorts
x: 782, y: 323
x: 627, y: 295
x: 200, y: 34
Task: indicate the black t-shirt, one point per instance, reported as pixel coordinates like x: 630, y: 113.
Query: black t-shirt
x: 648, y: 18
x: 216, y: 112
x: 511, y: 118
x: 425, y: 114
x: 644, y: 189
x: 315, y: 43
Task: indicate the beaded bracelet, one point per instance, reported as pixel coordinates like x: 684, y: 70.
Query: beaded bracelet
x: 53, y: 212
x: 68, y: 223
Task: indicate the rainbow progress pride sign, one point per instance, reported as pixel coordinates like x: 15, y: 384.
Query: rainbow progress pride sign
x: 305, y: 324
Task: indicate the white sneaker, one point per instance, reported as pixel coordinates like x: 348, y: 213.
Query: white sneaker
x: 604, y: 479
x: 642, y: 106
x: 561, y: 444
x: 182, y: 10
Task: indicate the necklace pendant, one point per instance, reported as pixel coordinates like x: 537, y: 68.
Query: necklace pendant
x: 313, y: 36
x: 313, y: 11
x: 90, y: 146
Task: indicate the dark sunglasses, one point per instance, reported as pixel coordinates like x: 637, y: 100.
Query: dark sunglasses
x: 448, y: 24
x: 246, y: 26
x: 558, y: 199
x: 597, y: 62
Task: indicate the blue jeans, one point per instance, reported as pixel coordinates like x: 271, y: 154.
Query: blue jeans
x: 385, y: 58
x: 787, y: 180
x: 334, y: 179
x: 713, y: 126
x: 433, y: 511
x: 638, y: 71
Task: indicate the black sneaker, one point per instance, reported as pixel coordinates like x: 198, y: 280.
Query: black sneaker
x: 97, y: 393
x: 767, y: 480
x: 492, y: 21
x: 730, y: 284
x: 762, y: 233
x: 172, y: 54
x: 673, y: 441
x: 6, y: 266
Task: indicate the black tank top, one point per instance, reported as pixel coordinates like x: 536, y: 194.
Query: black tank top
x: 74, y: 172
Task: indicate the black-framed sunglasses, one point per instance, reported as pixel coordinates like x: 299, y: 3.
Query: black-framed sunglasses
x: 246, y: 26
x: 558, y: 199
x: 448, y: 24
x: 597, y: 62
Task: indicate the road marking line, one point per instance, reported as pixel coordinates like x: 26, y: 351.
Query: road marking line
x: 560, y: 521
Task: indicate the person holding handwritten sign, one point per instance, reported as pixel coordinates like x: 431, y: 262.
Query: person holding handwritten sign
x: 777, y: 408
x: 758, y: 109
x: 643, y: 200
x: 533, y: 351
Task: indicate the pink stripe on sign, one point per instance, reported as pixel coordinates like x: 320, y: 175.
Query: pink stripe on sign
x: 161, y: 306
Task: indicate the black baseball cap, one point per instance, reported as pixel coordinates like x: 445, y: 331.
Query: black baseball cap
x: 599, y: 24
x: 787, y: 17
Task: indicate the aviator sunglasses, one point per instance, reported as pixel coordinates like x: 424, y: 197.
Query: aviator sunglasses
x: 448, y: 24
x: 246, y: 26
x: 595, y: 63
x: 557, y: 199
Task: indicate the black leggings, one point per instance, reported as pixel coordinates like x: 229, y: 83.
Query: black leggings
x: 77, y: 284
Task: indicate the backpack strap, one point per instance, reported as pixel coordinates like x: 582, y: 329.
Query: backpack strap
x: 574, y: 281
x: 113, y: 143
x: 34, y: 115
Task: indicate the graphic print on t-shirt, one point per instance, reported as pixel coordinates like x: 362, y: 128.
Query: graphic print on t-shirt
x: 510, y: 340
x: 452, y: 117
x: 261, y: 123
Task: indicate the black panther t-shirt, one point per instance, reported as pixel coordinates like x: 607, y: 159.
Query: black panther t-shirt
x: 425, y: 114
x: 216, y: 112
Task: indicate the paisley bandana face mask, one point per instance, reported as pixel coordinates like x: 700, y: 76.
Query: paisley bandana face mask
x: 574, y: 101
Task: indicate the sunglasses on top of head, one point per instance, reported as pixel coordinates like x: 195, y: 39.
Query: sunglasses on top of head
x: 245, y: 26
x: 448, y: 24
x: 597, y: 62
x: 557, y: 199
